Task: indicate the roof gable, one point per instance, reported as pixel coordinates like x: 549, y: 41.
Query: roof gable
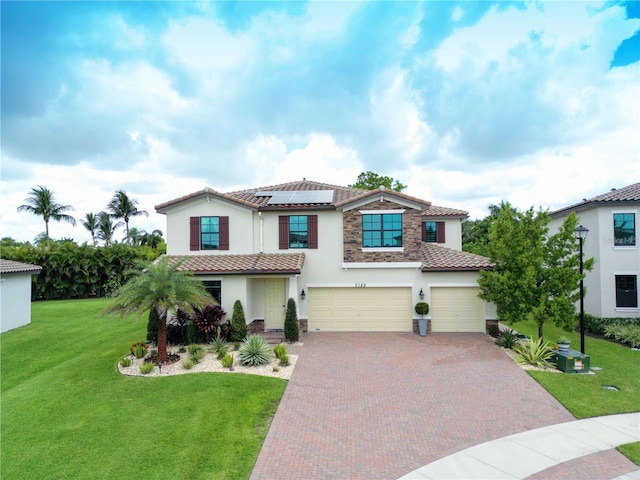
x: 11, y: 266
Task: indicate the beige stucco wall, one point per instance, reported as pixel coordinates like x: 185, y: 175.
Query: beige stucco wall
x: 600, y: 297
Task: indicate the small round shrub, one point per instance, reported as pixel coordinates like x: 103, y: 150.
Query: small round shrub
x: 279, y: 350
x: 284, y: 360
x: 254, y: 351
x: 146, y: 367
x: 197, y: 355
x: 227, y: 360
x: 125, y: 361
x: 187, y: 364
x: 139, y: 349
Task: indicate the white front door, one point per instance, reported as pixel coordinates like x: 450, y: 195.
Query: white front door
x: 276, y: 304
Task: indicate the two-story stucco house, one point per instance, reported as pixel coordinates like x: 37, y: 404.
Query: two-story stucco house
x: 612, y: 285
x: 352, y: 259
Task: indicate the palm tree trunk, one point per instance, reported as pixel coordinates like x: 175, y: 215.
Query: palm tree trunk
x: 162, y: 338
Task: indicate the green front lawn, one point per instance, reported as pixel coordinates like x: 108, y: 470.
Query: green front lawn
x: 68, y: 413
x: 584, y: 395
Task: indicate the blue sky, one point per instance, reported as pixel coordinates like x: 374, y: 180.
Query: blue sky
x: 468, y: 103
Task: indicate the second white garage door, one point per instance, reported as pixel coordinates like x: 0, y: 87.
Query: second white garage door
x: 369, y: 309
x: 456, y: 309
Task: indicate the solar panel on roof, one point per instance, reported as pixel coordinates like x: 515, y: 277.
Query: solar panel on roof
x: 264, y: 194
x: 301, y: 197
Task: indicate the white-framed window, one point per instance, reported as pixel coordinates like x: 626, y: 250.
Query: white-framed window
x: 626, y: 291
x: 624, y: 229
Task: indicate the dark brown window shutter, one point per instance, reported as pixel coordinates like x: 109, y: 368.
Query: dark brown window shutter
x: 194, y: 233
x: 424, y: 232
x: 223, y: 223
x: 312, y: 224
x: 440, y: 232
x: 283, y: 230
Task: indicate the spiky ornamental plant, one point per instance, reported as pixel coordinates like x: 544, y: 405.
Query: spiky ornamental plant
x: 254, y: 351
x: 238, y: 323
x: 291, y: 330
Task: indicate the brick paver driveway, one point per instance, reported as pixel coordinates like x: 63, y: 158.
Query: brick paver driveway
x: 374, y: 405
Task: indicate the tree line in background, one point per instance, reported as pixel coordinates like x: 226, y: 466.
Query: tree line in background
x: 102, y: 225
x: 78, y: 271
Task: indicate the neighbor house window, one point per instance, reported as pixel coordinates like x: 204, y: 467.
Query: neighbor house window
x: 433, y: 232
x: 624, y: 229
x: 209, y: 233
x: 214, y: 287
x: 298, y: 231
x: 382, y: 230
x: 627, y: 291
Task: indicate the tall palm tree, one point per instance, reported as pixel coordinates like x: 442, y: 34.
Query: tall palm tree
x: 121, y: 206
x: 106, y: 228
x: 41, y: 201
x: 92, y: 223
x: 162, y: 287
x: 135, y: 237
x: 152, y: 239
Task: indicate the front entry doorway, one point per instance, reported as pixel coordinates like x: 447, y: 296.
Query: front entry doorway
x: 275, y: 304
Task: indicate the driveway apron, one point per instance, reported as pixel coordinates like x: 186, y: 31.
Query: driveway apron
x: 379, y: 405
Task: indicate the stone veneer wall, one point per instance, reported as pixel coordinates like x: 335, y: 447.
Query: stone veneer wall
x: 411, y: 235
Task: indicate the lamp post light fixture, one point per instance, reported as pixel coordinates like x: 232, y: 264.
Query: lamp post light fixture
x: 580, y: 233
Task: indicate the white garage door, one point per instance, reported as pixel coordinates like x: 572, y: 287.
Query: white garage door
x: 369, y: 309
x: 456, y: 309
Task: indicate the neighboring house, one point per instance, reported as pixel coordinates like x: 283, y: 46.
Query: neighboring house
x: 15, y: 293
x: 353, y: 260
x: 612, y: 285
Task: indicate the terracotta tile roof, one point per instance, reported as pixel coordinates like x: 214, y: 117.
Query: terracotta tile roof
x: 435, y: 211
x: 625, y: 195
x: 341, y: 196
x: 436, y: 258
x: 11, y: 266
x: 257, y: 263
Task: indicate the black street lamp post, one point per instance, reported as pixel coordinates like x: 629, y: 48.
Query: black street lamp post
x: 581, y: 234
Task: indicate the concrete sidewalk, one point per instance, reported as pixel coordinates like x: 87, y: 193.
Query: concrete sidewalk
x: 525, y: 454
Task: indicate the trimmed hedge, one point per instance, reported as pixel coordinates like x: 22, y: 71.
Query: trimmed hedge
x: 598, y: 325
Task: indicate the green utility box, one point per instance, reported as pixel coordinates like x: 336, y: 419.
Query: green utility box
x: 572, y: 361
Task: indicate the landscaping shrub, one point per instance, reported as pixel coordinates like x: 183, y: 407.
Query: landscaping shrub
x: 125, y: 361
x: 218, y: 346
x: 208, y: 321
x: 227, y: 360
x: 139, y: 349
x: 279, y: 350
x: 629, y: 334
x: 177, y: 329
x: 534, y: 352
x: 597, y: 325
x: 254, y: 351
x: 507, y: 339
x: 152, y: 326
x: 284, y: 360
x: 291, y: 329
x: 238, y: 327
x: 146, y: 367
x: 196, y: 353
x: 192, y: 333
x: 188, y: 364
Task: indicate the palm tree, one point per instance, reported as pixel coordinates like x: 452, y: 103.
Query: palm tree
x: 135, y: 237
x: 92, y: 223
x: 41, y: 201
x: 106, y: 228
x: 153, y: 239
x: 163, y: 287
x: 121, y: 206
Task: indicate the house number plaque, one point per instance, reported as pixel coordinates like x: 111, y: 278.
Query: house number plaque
x: 361, y: 285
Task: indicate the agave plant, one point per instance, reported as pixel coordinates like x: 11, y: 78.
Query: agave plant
x: 218, y: 346
x: 534, y: 352
x: 254, y: 351
x: 507, y: 339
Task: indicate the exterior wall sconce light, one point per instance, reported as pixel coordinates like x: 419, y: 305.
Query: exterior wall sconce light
x: 302, y: 294
x: 421, y: 294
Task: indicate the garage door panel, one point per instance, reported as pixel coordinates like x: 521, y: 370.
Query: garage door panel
x: 456, y: 309
x: 374, y: 309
